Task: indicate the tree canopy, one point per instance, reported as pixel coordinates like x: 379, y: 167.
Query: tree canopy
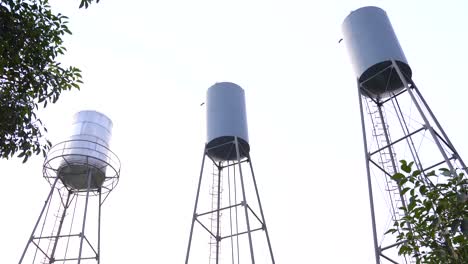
x: 435, y: 226
x: 31, y: 75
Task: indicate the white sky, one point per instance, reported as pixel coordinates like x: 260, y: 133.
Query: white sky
x: 147, y: 65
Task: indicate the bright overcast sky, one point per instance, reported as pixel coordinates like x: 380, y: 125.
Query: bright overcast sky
x: 147, y: 65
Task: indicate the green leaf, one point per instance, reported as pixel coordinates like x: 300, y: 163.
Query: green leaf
x: 412, y: 204
x: 404, y: 250
x: 459, y: 239
x: 405, y: 190
x: 445, y: 172
x: 423, y: 190
x: 398, y: 176
x: 406, y: 168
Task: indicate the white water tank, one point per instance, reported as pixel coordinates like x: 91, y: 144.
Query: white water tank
x: 226, y: 119
x: 372, y: 44
x: 87, y: 151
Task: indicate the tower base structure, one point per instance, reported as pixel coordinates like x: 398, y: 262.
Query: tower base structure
x: 63, y: 232
x: 228, y: 224
x: 398, y: 126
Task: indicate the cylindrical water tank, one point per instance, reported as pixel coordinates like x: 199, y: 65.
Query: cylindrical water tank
x: 86, y: 152
x: 372, y: 44
x: 226, y: 119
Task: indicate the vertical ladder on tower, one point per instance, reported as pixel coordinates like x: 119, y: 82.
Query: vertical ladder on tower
x: 52, y: 238
x: 386, y: 159
x: 215, y: 186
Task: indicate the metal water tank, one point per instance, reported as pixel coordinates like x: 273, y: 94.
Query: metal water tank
x: 372, y: 44
x: 86, y: 152
x: 226, y: 119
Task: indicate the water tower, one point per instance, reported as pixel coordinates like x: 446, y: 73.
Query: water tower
x: 228, y: 218
x: 397, y: 122
x: 82, y: 171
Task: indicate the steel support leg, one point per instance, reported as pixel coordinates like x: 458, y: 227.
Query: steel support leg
x: 236, y: 142
x: 82, y: 235
x: 230, y: 213
x: 421, y: 112
x: 194, y: 216
x: 99, y: 228
x: 441, y: 129
x: 218, y: 214
x: 369, y: 181
x: 261, y: 211
x: 39, y: 219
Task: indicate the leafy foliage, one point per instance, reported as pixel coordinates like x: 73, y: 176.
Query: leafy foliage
x: 86, y: 3
x: 437, y: 216
x: 30, y: 75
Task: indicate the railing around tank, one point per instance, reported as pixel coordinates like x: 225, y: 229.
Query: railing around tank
x: 81, y: 152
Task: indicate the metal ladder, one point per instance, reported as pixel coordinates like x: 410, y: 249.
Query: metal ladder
x: 385, y: 160
x: 214, y: 215
x: 52, y: 239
